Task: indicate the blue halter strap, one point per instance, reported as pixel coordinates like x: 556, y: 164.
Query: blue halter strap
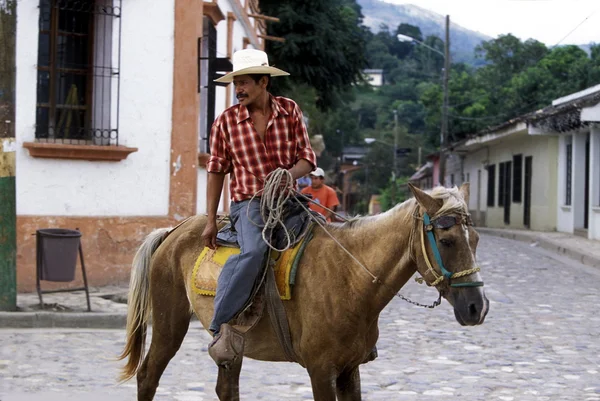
x: 428, y: 227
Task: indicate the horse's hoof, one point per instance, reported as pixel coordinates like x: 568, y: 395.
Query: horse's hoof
x: 227, y: 346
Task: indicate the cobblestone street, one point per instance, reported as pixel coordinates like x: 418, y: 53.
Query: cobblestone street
x: 539, y: 342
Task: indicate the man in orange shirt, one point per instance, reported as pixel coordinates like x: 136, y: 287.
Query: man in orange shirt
x: 321, y: 194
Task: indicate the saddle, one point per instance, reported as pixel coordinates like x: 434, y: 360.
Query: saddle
x: 277, y: 279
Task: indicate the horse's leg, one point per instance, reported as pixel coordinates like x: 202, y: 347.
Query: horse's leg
x: 322, y: 384
x: 170, y: 322
x: 348, y: 385
x: 228, y: 381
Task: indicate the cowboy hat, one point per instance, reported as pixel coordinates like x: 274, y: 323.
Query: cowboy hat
x: 251, y: 61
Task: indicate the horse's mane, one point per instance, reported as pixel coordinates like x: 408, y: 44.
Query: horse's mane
x: 452, y: 198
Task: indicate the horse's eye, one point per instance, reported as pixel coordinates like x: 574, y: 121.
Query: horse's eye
x: 447, y: 242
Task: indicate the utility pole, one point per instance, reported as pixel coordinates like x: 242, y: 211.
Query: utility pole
x: 8, y: 214
x: 444, y: 131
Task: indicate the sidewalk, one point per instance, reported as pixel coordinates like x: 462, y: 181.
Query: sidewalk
x: 109, y: 308
x: 583, y: 250
x: 69, y: 309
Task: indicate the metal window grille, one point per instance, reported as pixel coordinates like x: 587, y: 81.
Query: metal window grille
x: 209, y: 68
x: 569, y: 169
x: 208, y: 53
x: 78, y: 72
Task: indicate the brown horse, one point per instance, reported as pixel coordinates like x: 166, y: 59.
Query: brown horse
x: 333, y: 316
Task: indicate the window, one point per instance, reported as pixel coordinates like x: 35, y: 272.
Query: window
x: 209, y: 66
x: 568, y: 177
x: 501, y: 182
x: 78, y: 72
x: 208, y: 50
x: 504, y: 183
x: 491, y: 185
x: 517, y: 178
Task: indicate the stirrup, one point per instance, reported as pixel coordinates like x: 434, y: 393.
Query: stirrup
x: 227, y: 347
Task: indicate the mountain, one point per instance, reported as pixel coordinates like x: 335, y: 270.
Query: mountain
x: 462, y: 40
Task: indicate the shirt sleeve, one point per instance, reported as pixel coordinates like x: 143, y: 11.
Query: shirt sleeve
x: 220, y: 159
x: 333, y: 199
x: 303, y: 148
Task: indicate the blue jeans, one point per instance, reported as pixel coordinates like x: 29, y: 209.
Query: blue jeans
x: 240, y: 272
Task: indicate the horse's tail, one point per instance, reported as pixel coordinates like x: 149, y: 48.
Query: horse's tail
x: 138, y: 310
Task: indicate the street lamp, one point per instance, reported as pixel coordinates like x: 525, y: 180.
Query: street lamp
x: 446, y: 55
x: 406, y: 38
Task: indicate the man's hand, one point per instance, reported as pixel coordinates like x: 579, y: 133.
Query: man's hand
x: 209, y: 235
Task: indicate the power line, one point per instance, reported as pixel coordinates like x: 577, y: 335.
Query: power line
x: 577, y: 27
x: 538, y: 60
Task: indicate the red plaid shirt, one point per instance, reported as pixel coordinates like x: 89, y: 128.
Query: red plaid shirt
x: 236, y: 147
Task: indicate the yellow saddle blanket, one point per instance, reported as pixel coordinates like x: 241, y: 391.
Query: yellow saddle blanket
x: 209, y: 264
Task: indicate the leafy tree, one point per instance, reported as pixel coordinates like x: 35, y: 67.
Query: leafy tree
x: 324, y: 45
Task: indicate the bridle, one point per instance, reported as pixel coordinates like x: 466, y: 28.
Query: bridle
x: 443, y: 222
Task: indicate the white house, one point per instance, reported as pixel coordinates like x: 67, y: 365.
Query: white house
x: 575, y: 121
x: 374, y: 77
x: 513, y: 185
x: 114, y: 102
x: 540, y: 171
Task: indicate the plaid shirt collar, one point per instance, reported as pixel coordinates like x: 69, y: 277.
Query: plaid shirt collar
x: 243, y: 114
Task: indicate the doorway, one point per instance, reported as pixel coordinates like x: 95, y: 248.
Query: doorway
x: 527, y: 194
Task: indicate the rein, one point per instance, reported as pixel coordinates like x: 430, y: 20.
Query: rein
x: 272, y: 211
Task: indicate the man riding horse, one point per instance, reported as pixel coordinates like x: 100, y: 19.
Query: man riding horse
x: 249, y: 140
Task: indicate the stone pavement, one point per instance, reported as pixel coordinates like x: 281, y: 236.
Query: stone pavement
x: 539, y: 343
x: 109, y: 309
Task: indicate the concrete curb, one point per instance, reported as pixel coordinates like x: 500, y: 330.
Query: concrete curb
x: 80, y: 320
x: 549, y: 245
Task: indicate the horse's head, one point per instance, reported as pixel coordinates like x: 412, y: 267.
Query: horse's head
x: 444, y: 243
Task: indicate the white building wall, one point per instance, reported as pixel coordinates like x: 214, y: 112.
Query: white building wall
x: 474, y: 166
x: 543, y: 190
x: 453, y: 170
x: 237, y: 42
x: 564, y: 216
x: 594, y: 196
x: 138, y: 185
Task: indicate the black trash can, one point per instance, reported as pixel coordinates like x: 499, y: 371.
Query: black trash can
x: 57, y: 251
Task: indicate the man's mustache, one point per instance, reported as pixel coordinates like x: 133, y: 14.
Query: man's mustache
x: 241, y: 96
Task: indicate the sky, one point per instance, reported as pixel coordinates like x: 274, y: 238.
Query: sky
x: 548, y: 21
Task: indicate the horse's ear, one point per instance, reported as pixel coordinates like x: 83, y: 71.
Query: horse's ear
x: 431, y: 205
x: 465, y: 190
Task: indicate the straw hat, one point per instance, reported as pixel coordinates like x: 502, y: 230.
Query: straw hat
x: 251, y: 61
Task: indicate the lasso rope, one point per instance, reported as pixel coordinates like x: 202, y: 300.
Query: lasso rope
x: 278, y: 189
x: 276, y: 192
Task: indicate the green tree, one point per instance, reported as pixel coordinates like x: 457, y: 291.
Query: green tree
x: 324, y: 45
